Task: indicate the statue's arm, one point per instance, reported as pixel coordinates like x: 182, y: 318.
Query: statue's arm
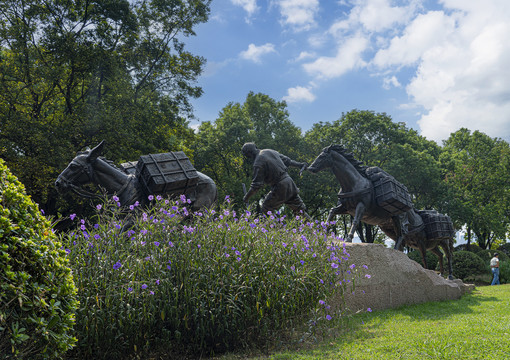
x: 289, y: 162
x: 256, y: 183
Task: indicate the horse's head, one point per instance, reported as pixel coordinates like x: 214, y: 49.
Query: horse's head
x: 80, y: 170
x: 322, y: 161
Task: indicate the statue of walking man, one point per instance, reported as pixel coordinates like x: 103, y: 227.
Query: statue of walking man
x: 270, y: 167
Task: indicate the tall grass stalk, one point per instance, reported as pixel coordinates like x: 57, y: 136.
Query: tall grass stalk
x: 206, y: 282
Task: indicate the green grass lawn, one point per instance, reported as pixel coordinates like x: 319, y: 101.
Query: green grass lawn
x: 475, y: 327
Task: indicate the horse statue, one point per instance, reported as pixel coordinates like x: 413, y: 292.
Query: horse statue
x: 89, y: 167
x: 357, y: 198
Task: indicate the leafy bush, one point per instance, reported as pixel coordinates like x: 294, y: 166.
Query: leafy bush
x: 505, y: 248
x: 432, y: 260
x: 219, y: 281
x: 472, y: 247
x: 504, y: 272
x: 467, y: 263
x: 37, y: 293
x: 487, y: 255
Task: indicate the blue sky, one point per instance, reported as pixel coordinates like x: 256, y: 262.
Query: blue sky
x: 435, y: 65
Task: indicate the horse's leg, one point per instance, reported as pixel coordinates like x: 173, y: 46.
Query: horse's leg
x: 337, y: 210
x: 447, y: 246
x: 360, y: 210
x: 423, y: 251
x: 439, y: 255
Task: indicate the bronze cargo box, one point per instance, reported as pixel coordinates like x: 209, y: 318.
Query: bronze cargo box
x: 164, y: 173
x: 437, y: 226
x: 392, y: 196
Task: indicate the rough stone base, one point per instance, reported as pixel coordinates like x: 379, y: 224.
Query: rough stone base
x: 395, y: 280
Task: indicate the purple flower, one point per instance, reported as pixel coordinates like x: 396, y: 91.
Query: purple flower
x: 328, y: 317
x: 130, y: 289
x: 334, y: 265
x: 157, y: 282
x: 151, y: 292
x: 321, y: 302
x: 131, y: 207
x: 115, y: 198
x: 369, y: 310
x: 368, y: 276
x: 293, y: 268
x: 68, y: 251
x: 99, y: 207
x: 159, y: 198
x: 238, y: 259
x: 171, y: 244
x: 72, y: 216
x: 96, y: 226
x: 117, y: 265
x: 97, y: 237
x: 156, y: 243
x: 151, y: 197
x: 144, y: 286
x: 169, y: 267
x: 352, y: 266
x: 136, y: 203
x: 42, y: 211
x: 227, y: 255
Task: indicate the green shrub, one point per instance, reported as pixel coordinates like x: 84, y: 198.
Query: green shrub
x: 217, y: 282
x: 472, y: 247
x: 432, y: 260
x: 487, y: 255
x: 504, y: 272
x: 467, y: 263
x: 505, y: 248
x: 37, y: 293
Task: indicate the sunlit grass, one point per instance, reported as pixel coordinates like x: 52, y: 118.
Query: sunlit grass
x: 475, y: 327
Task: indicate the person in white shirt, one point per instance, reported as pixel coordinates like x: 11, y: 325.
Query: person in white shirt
x: 495, y: 269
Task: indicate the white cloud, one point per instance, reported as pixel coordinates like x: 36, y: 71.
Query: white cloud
x: 250, y: 6
x: 304, y: 55
x: 463, y: 80
x: 299, y: 14
x: 425, y: 32
x: 348, y: 57
x: 389, y: 82
x: 254, y: 53
x: 298, y: 94
x: 374, y: 16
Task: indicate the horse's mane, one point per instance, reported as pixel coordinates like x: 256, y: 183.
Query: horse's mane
x: 110, y: 162
x: 358, y: 165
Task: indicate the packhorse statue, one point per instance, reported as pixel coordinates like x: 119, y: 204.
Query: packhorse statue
x: 399, y: 221
x: 89, y: 167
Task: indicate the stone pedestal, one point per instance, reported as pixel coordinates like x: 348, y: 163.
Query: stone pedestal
x: 395, y: 280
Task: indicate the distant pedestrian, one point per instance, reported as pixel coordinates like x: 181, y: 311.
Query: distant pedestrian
x: 495, y: 269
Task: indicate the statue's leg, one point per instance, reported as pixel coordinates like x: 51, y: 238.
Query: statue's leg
x: 360, y: 210
x: 448, y: 250
x: 398, y: 231
x: 439, y: 255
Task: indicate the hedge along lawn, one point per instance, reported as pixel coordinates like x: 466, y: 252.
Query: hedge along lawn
x: 475, y: 327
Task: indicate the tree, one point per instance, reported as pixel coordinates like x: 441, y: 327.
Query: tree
x: 77, y: 72
x: 477, y: 170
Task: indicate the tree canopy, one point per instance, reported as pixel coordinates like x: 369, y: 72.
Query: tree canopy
x: 73, y: 73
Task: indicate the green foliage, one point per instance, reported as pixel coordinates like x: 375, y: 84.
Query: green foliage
x: 432, y: 260
x: 477, y: 179
x: 505, y: 248
x: 504, y: 272
x: 487, y: 255
x: 216, y: 282
x: 74, y: 73
x: 467, y: 263
x: 37, y: 293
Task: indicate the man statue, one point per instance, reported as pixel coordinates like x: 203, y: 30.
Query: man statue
x: 270, y: 167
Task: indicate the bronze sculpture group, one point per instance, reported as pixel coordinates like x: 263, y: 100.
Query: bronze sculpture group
x: 369, y: 194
